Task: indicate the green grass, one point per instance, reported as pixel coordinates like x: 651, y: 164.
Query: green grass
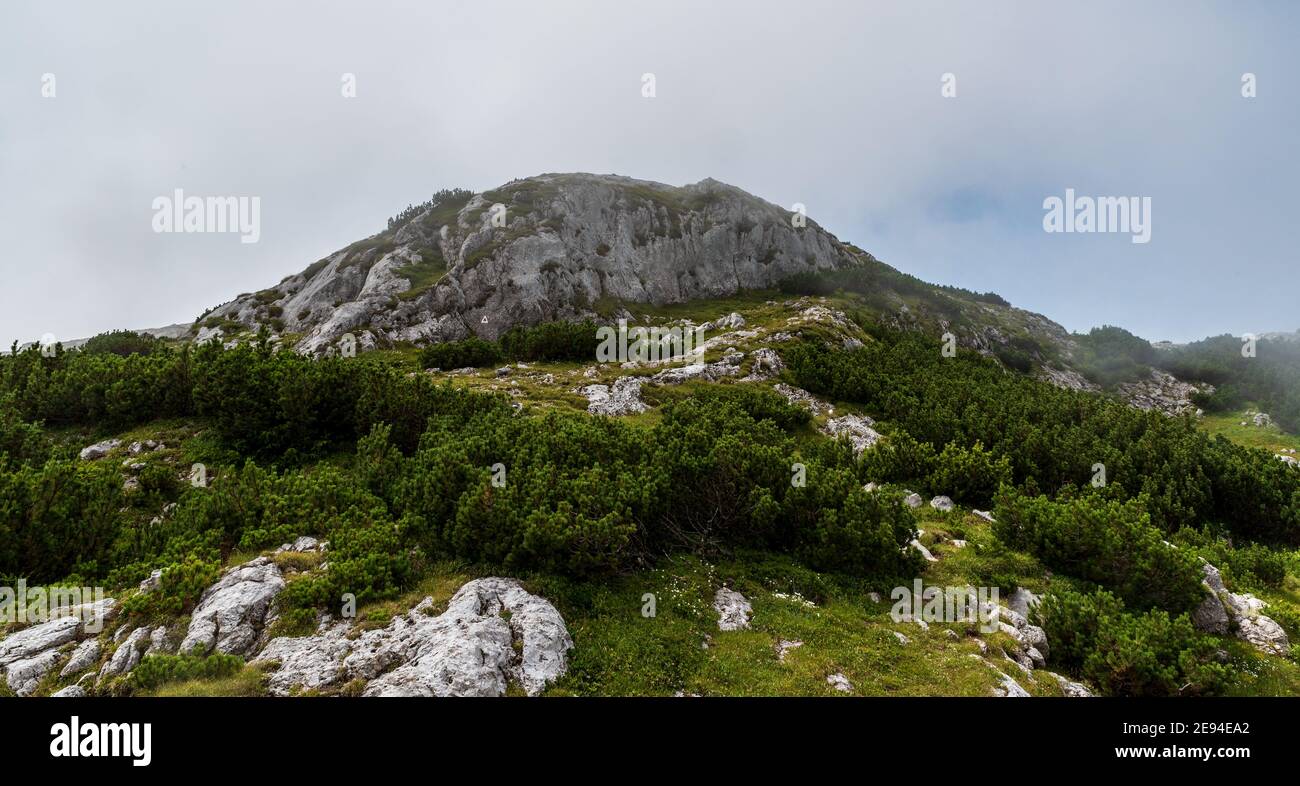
x: 248, y: 681
x: 620, y: 652
x: 1270, y: 438
x: 422, y: 275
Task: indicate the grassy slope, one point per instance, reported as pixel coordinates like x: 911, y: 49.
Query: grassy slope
x: 621, y: 652
x: 1270, y: 438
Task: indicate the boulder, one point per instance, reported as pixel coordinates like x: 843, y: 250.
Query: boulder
x: 912, y: 500
x: 941, y: 504
x: 1022, y: 601
x: 1211, y: 616
x: 232, y: 613
x: 492, y: 633
x: 152, y: 582
x: 23, y: 676
x: 303, y: 545
x: 925, y: 553
x: 308, y: 663
x: 1072, y: 689
x: 83, y: 657
x: 1222, y: 611
x: 707, y: 372
x: 856, y: 428
x: 32, y: 641
x: 733, y: 609
x: 70, y: 692
x: 1263, y: 634
x: 31, y: 653
x: 765, y: 364
x: 158, y: 642
x: 732, y: 321
x: 99, y: 449
x: 839, y: 682
x: 624, y: 398
x: 127, y: 655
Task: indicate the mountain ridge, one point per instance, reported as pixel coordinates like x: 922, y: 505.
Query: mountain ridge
x: 569, y: 246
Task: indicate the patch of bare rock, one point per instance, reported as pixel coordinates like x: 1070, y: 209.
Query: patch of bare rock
x: 232, y: 614
x: 856, y: 428
x: 733, y: 609
x: 28, y: 655
x: 493, y: 633
x: 1222, y: 612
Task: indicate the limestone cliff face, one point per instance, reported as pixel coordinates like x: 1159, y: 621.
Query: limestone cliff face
x: 557, y: 247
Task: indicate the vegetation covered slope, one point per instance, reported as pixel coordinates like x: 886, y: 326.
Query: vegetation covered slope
x: 395, y: 466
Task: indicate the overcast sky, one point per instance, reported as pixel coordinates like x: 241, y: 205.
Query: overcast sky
x: 836, y: 105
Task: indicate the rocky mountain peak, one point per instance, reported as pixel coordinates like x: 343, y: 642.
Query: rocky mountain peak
x: 554, y: 246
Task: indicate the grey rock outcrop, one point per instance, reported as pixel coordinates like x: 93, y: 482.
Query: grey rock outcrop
x: 922, y: 550
x: 563, y: 242
x: 1032, y: 647
x: 707, y: 372
x: 492, y: 633
x: 305, y: 544
x: 622, y: 398
x: 784, y: 646
x: 941, y: 504
x: 231, y: 614
x: 28, y: 655
x: 99, y: 449
x: 856, y: 428
x: 733, y: 609
x: 839, y: 682
x: 1223, y: 611
x: 801, y: 398
x: 1072, y: 689
x: 158, y: 642
x: 1009, y: 688
x: 23, y: 676
x: 1066, y: 379
x: 764, y: 364
x: 83, y: 657
x: 1022, y: 601
x: 1162, y: 392
x: 127, y: 655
